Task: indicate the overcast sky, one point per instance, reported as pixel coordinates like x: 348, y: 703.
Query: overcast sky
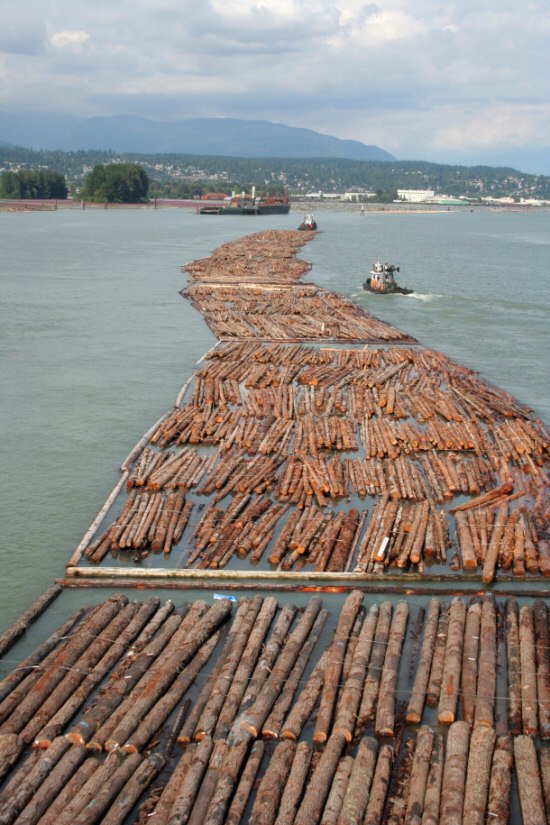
x: 463, y: 81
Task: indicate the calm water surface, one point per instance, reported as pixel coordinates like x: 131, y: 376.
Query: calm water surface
x: 95, y: 341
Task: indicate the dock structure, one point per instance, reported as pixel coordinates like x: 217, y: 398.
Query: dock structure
x: 396, y: 495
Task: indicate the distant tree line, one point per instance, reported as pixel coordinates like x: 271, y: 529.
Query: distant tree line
x: 33, y: 183
x: 178, y: 175
x: 116, y: 183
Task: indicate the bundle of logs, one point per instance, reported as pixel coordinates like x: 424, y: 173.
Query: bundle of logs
x: 115, y: 679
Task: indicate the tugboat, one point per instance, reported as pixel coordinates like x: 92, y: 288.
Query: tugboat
x: 382, y: 280
x: 309, y: 223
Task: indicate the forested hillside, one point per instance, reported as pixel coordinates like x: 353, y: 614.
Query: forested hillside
x: 173, y: 175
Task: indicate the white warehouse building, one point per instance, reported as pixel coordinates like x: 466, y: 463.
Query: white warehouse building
x: 415, y: 195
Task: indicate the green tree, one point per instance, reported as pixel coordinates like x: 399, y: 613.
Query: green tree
x: 116, y: 183
x: 33, y: 183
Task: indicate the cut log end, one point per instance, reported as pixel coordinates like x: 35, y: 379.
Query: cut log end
x: 111, y: 745
x: 75, y: 738
x: 129, y: 748
x: 288, y: 734
x: 42, y: 743
x: 445, y: 717
x: 320, y: 738
x: 413, y: 718
x: 345, y: 733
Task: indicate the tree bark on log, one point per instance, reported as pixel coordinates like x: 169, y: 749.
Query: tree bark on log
x: 529, y: 785
x: 419, y: 776
x: 49, y: 789
x: 189, y: 785
x: 244, y: 788
x: 514, y: 667
x: 356, y: 797
x: 482, y: 744
x: 379, y: 787
x: 418, y: 692
x: 542, y: 650
x: 268, y: 796
x: 486, y: 683
x: 453, y: 663
x: 317, y: 791
x: 468, y: 686
x: 350, y: 698
x: 454, y: 774
x: 300, y: 713
x: 337, y: 792
x: 385, y: 712
x: 432, y: 797
x: 498, y: 805
x: 8, y: 639
x: 529, y: 708
x: 294, y: 787
x: 378, y: 654
x: 438, y: 660
x: 334, y: 668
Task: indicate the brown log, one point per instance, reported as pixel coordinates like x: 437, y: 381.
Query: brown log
x: 168, y: 795
x: 480, y: 759
x: 246, y: 782
x: 385, y: 712
x: 273, y: 723
x: 529, y: 785
x: 485, y: 499
x: 379, y: 787
x: 209, y: 717
x: 544, y: 763
x: 529, y: 709
x: 317, y: 791
x: 334, y: 667
x: 498, y: 805
x: 494, y: 545
x: 249, y: 723
x: 133, y: 790
x: 486, y: 684
x: 295, y: 784
x: 542, y: 639
x: 469, y: 557
x: 8, y: 639
x: 468, y: 686
x: 350, y: 698
x: 306, y: 701
x: 70, y: 789
x: 513, y: 667
x: 268, y: 796
x: 454, y: 774
x: 450, y: 682
x: 105, y: 792
x: 356, y: 797
x: 432, y: 796
x: 418, y: 692
x: 335, y: 798
x: 378, y: 654
x: 188, y: 788
x: 419, y: 776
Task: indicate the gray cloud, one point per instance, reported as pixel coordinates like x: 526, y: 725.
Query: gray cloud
x: 419, y: 79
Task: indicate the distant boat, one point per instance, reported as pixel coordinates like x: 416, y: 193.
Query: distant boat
x: 244, y: 204
x: 309, y: 223
x: 382, y: 280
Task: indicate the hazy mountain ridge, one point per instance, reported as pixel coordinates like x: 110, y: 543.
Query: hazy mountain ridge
x: 195, y: 136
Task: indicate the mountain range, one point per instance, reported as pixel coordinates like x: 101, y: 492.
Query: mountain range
x: 195, y: 136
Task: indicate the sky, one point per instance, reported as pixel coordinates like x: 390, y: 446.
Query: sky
x: 451, y: 82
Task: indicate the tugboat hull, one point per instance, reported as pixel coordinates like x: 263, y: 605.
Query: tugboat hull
x: 388, y: 290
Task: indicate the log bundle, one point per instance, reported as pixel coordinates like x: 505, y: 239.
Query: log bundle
x: 310, y: 429
x: 108, y: 706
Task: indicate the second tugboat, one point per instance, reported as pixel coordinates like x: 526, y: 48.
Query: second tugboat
x: 382, y: 280
x: 309, y: 223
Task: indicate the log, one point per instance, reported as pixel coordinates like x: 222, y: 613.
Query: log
x: 513, y: 667
x: 244, y: 788
x: 385, y: 712
x: 529, y: 785
x: 454, y: 774
x: 542, y: 651
x: 480, y: 758
x: 432, y: 796
x: 10, y: 636
x: 307, y: 700
x: 468, y: 687
x: 419, y: 776
x: 494, y: 545
x: 356, y: 797
x: 317, y: 791
x: 294, y: 787
x: 227, y: 781
x: 335, y: 798
x: 249, y: 723
x: 189, y: 785
x: 334, y: 668
x: 48, y: 790
x: 453, y: 662
x: 529, y: 709
x: 378, y: 654
x: 350, y: 698
x: 268, y: 796
x: 70, y: 789
x: 105, y: 793
x: 418, y: 692
x: 498, y: 805
x: 486, y: 684
x: 379, y: 787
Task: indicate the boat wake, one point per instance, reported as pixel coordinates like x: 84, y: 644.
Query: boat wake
x: 425, y: 296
